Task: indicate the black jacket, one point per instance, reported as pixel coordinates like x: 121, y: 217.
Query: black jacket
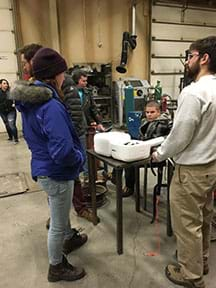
x: 159, y: 127
x: 6, y: 105
x: 82, y: 114
x: 73, y: 105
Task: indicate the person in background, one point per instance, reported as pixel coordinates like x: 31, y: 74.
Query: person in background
x: 27, y: 52
x: 153, y: 125
x: 75, y: 99
x: 8, y: 112
x: 191, y: 143
x: 57, y: 155
x: 90, y: 114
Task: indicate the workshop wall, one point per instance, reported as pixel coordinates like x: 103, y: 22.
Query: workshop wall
x: 174, y: 28
x: 34, y: 22
x: 90, y: 31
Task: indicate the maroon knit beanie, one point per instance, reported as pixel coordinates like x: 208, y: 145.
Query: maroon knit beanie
x: 47, y: 63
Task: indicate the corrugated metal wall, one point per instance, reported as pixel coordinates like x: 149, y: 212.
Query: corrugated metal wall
x: 173, y: 29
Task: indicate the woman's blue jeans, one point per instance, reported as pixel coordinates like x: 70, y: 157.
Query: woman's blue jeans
x: 59, y: 197
x: 9, y: 120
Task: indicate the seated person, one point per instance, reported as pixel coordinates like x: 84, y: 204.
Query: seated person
x: 153, y: 125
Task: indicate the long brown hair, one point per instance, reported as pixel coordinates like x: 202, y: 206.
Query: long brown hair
x: 54, y: 84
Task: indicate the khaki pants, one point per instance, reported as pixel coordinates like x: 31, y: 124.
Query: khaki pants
x: 191, y: 201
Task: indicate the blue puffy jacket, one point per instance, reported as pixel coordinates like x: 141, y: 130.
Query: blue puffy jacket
x: 48, y: 131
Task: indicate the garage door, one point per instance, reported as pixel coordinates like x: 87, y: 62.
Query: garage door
x: 174, y: 27
x: 8, y: 60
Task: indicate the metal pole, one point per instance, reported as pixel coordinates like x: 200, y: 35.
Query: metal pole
x: 54, y: 24
x: 133, y: 18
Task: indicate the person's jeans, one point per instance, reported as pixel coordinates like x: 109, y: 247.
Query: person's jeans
x: 59, y: 197
x: 82, y: 139
x: 9, y: 120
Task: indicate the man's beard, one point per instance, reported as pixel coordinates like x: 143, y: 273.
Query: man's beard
x: 192, y: 72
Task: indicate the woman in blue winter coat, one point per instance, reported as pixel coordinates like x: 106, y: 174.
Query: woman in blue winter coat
x: 57, y: 155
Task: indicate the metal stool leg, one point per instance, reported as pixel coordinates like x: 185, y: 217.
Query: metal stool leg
x: 170, y: 170
x: 145, y: 187
x: 137, y: 189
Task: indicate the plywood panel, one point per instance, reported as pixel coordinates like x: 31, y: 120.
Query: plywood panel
x: 90, y: 31
x: 34, y: 21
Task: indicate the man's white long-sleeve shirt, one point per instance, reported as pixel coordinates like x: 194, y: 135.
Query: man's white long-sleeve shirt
x: 192, y: 140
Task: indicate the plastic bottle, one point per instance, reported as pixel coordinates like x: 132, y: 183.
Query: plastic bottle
x: 158, y: 91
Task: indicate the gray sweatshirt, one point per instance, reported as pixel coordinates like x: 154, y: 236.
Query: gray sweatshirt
x: 192, y: 140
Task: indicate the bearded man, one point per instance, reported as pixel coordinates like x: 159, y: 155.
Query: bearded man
x: 191, y: 143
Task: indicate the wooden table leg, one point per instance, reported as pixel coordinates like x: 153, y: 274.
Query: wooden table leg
x: 119, y: 211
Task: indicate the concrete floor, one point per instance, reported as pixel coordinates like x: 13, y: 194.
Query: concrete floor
x: 23, y: 247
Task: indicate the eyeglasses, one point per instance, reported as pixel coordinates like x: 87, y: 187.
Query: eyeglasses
x: 191, y: 55
x: 24, y: 62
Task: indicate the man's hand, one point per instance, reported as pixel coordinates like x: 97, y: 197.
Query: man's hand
x: 100, y: 127
x: 154, y: 156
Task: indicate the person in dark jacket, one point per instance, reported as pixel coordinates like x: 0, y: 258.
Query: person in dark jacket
x: 153, y: 125
x: 8, y: 112
x: 57, y: 155
x: 89, y: 112
x: 84, y: 113
x: 92, y: 116
x: 74, y: 108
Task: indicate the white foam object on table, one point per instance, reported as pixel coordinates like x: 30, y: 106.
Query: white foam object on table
x: 134, y: 150
x: 103, y: 141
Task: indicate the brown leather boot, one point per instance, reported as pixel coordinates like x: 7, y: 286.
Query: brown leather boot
x: 88, y: 215
x: 65, y: 271
x: 75, y: 242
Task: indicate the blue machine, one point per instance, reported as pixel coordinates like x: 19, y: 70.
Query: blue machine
x: 129, y: 101
x: 133, y: 123
x: 123, y: 93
